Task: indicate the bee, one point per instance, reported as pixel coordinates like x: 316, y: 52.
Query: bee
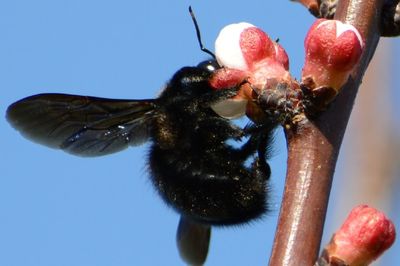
x: 191, y: 161
x: 191, y: 164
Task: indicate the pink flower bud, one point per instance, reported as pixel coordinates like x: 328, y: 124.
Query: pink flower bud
x: 332, y: 50
x: 247, y: 53
x: 363, y: 237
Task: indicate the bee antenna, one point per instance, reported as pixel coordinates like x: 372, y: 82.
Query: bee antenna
x: 198, y: 34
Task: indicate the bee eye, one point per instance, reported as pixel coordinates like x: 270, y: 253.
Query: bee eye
x: 209, y: 65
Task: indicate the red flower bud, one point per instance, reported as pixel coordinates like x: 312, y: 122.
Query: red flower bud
x: 247, y: 53
x: 332, y: 50
x: 363, y: 237
x: 242, y: 46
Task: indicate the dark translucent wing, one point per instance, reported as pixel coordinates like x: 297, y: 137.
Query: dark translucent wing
x: 82, y: 125
x: 193, y: 240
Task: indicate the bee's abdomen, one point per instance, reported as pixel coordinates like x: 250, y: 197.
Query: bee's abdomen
x: 217, y: 194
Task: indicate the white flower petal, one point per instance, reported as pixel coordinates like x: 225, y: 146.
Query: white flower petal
x: 227, y: 46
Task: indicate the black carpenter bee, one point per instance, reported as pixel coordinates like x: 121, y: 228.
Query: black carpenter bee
x: 191, y: 164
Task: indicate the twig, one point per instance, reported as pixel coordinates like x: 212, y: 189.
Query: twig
x: 311, y: 5
x: 313, y: 148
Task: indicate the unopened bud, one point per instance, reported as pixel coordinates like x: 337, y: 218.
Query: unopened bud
x: 363, y: 237
x: 332, y: 51
x: 247, y: 53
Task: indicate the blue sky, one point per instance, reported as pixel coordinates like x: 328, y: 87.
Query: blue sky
x: 57, y: 209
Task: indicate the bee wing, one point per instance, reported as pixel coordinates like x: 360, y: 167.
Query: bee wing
x: 193, y: 240
x: 82, y: 125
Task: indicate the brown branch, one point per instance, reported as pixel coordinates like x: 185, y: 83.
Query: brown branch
x: 311, y: 5
x: 313, y: 148
x: 389, y: 21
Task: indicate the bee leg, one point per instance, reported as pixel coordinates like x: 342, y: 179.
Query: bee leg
x: 261, y: 168
x: 258, y: 139
x: 260, y: 142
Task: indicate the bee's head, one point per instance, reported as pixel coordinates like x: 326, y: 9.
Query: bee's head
x: 209, y: 65
x: 189, y: 83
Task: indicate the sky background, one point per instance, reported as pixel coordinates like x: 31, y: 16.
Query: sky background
x: 57, y: 209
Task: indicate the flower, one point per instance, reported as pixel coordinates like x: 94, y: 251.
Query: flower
x: 362, y: 238
x: 332, y: 51
x: 247, y: 53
